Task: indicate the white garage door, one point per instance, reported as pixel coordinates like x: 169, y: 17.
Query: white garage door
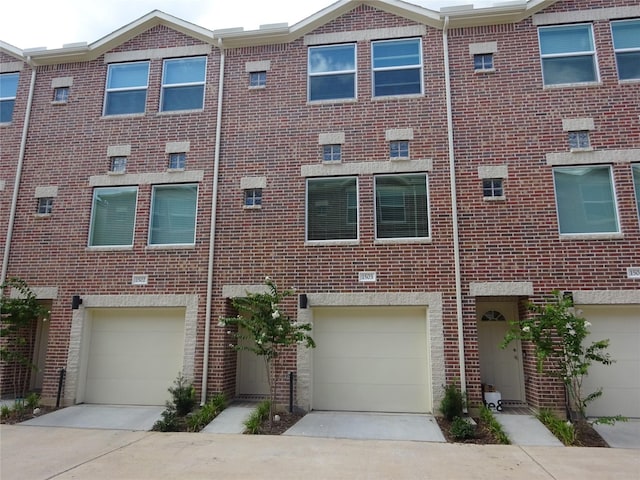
x: 620, y: 381
x: 134, y: 355
x: 371, y: 359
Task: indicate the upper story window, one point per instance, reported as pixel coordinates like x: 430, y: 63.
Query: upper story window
x: 177, y: 161
x: 397, y: 67
x: 401, y: 206
x: 332, y: 153
x: 332, y: 209
x: 183, y: 81
x: 173, y: 215
x: 126, y: 88
x: 483, y: 61
x: 113, y: 216
x: 492, y: 188
x: 118, y: 164
x: 45, y: 206
x: 61, y: 94
x: 568, y: 54
x: 332, y: 72
x: 8, y: 92
x: 626, y: 42
x: 636, y: 181
x: 579, y: 140
x: 399, y: 149
x: 253, y: 197
x: 258, y: 79
x: 585, y: 200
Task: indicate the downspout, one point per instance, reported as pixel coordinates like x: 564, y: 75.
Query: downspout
x: 454, y: 207
x: 212, y: 234
x: 16, y: 185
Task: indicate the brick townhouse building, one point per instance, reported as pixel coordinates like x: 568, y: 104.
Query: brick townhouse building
x: 416, y: 176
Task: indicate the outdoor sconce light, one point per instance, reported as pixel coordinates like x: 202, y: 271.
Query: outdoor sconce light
x: 76, y: 301
x: 303, y: 300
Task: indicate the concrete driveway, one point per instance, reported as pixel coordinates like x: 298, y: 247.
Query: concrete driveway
x: 111, y: 417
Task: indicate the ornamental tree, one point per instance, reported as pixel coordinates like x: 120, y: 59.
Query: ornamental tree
x: 262, y: 320
x: 18, y: 314
x: 558, y: 333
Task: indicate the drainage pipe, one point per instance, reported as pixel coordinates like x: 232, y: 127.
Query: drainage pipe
x: 16, y: 185
x: 454, y: 207
x: 212, y: 234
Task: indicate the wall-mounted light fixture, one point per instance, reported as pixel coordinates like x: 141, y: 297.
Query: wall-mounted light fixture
x: 76, y: 301
x: 303, y: 300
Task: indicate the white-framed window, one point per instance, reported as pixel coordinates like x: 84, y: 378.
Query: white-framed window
x: 113, y: 215
x: 483, y: 61
x: 332, y: 208
x: 177, y: 161
x: 332, y: 72
x: 258, y: 79
x: 626, y: 43
x: 173, y: 214
x: 45, y: 206
x: 183, y: 81
x: 8, y: 92
x: 126, y: 91
x: 568, y: 54
x: 118, y: 164
x: 399, y: 149
x: 397, y: 67
x: 579, y: 140
x: 402, y: 206
x: 61, y: 94
x: 332, y: 153
x: 636, y: 182
x: 585, y: 200
x: 492, y: 187
x: 253, y: 197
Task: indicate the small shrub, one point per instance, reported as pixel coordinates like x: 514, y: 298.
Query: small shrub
x: 563, y: 430
x: 5, y: 411
x: 184, y: 396
x: 168, y: 423
x: 452, y: 403
x: 494, y: 426
x: 461, y: 429
x: 210, y: 410
x: 32, y: 401
x: 254, y: 422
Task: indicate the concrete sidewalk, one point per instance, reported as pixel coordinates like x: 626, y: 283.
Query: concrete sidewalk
x: 39, y: 453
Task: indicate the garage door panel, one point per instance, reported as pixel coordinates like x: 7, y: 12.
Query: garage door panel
x: 371, y: 359
x: 134, y: 355
x: 620, y: 381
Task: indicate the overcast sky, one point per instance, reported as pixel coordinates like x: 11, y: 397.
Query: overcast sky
x: 52, y: 23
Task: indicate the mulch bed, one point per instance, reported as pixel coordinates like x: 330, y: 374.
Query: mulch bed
x: 277, y: 428
x: 17, y: 416
x: 482, y: 436
x: 586, y: 436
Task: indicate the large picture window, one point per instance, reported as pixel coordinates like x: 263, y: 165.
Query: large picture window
x: 568, y: 54
x: 397, y: 67
x: 173, y: 215
x: 626, y: 42
x: 113, y: 217
x: 183, y: 81
x: 402, y: 209
x: 8, y: 91
x: 126, y: 88
x: 332, y: 209
x: 332, y: 72
x: 585, y: 200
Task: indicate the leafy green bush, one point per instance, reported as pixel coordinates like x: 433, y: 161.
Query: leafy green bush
x: 184, y: 396
x: 254, y: 422
x: 32, y: 401
x: 210, y: 410
x: 5, y: 411
x: 486, y: 415
x: 169, y: 421
x: 563, y: 430
x: 452, y: 404
x: 461, y: 429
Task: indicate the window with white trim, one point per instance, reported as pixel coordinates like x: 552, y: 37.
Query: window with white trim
x: 397, y: 67
x: 332, y: 153
x: 113, y: 215
x: 118, y: 164
x: 332, y: 72
x: 579, y: 140
x: 45, y: 206
x: 8, y: 92
x: 258, y: 79
x: 401, y: 204
x: 183, y: 81
x: 173, y: 214
x: 399, y: 149
x: 126, y: 91
x: 253, y: 197
x: 332, y: 208
x: 492, y: 188
x: 626, y: 43
x: 585, y: 200
x: 568, y: 54
x: 483, y: 61
x: 61, y: 94
x: 177, y: 161
x: 636, y: 182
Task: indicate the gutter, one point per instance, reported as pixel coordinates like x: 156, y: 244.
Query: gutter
x: 454, y: 207
x: 212, y: 234
x: 16, y: 185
